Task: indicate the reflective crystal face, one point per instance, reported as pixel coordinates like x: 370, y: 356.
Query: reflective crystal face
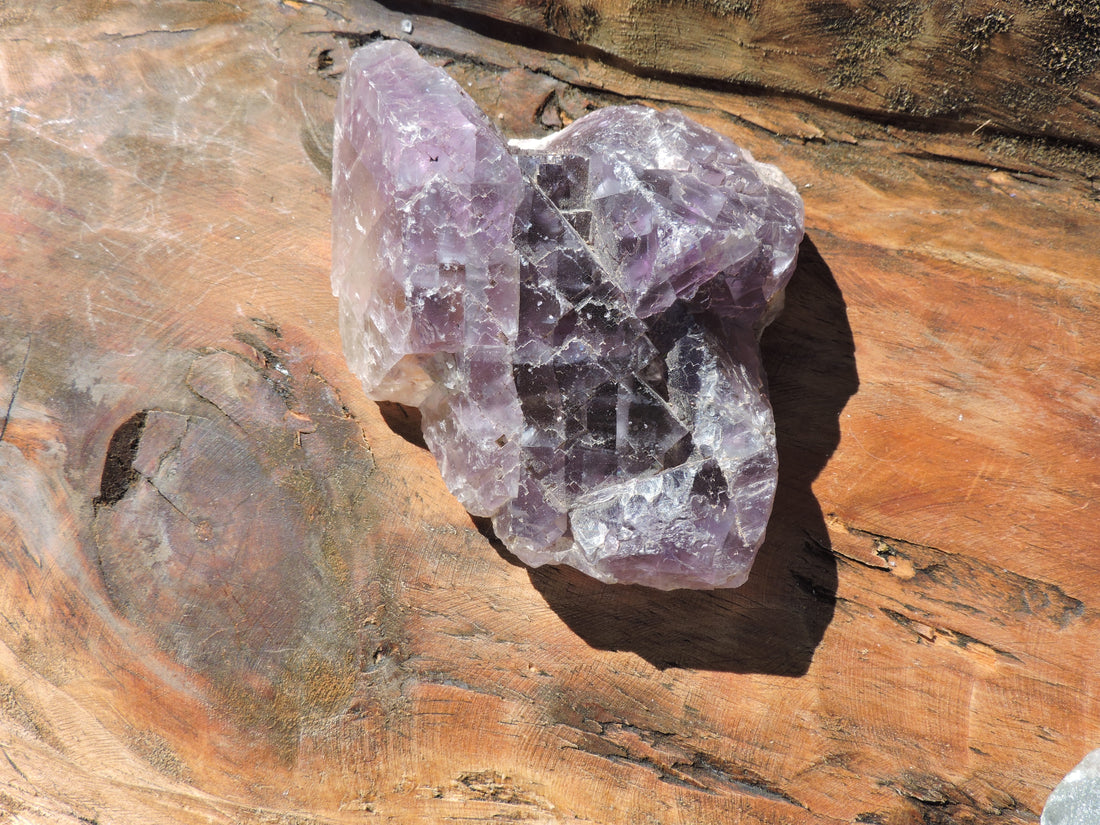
x: 576, y: 318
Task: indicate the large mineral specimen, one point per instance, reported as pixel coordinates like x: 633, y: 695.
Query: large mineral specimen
x: 1076, y: 800
x: 575, y: 317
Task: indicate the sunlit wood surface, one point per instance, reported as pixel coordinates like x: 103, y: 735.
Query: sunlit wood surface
x: 234, y: 590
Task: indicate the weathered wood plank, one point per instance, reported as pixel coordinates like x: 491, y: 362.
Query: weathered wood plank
x: 232, y: 593
x: 1011, y: 65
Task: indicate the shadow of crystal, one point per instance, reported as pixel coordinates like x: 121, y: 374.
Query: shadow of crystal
x: 775, y: 621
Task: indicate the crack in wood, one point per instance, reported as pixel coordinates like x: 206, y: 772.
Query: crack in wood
x: 692, y: 769
x: 116, y: 36
x: 940, y: 802
x: 1016, y: 594
x: 943, y: 157
x: 933, y: 634
x: 15, y: 389
x: 15, y: 767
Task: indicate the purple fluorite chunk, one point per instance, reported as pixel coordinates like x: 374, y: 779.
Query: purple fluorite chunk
x: 576, y: 318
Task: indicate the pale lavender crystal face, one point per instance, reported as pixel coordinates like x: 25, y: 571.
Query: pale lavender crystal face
x: 575, y: 317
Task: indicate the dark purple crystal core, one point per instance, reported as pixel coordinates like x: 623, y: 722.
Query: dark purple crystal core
x: 575, y: 317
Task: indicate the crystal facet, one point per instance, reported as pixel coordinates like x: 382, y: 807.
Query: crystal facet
x: 576, y: 318
x: 1076, y: 799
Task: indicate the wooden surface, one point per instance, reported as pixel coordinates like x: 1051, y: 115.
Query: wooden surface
x: 234, y: 590
x: 1013, y: 66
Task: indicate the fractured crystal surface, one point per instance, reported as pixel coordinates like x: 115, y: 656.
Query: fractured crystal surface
x: 576, y: 318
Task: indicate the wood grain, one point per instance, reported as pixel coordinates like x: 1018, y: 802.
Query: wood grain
x: 1013, y: 66
x: 235, y: 590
